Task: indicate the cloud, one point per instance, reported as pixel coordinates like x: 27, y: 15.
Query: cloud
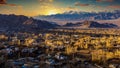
x: 12, y: 4
x: 51, y: 0
x: 4, y: 3
x: 99, y: 6
x: 80, y: 4
x: 110, y: 0
x: 114, y: 6
x: 71, y: 7
x: 104, y: 0
x: 99, y: 0
x: 46, y: 0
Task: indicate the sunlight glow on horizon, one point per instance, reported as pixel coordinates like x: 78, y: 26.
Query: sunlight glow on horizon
x: 52, y: 12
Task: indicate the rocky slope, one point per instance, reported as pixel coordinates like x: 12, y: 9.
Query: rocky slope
x: 19, y: 22
x: 90, y: 24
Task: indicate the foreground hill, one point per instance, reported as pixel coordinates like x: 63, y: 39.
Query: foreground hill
x: 90, y: 24
x: 20, y: 23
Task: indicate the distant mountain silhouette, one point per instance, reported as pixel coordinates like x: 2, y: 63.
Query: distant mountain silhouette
x: 90, y: 24
x: 20, y: 22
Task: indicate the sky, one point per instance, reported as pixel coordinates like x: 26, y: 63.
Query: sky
x: 49, y: 7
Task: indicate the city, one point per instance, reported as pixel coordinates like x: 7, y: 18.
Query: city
x: 62, y: 50
x: 59, y: 33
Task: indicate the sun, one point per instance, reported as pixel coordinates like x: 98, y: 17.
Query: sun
x: 52, y: 12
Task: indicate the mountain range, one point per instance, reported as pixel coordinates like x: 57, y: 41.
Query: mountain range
x: 24, y: 23
x: 75, y: 16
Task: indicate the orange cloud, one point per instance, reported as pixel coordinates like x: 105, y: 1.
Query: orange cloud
x: 46, y: 0
x: 3, y: 2
x: 12, y: 4
x: 80, y: 4
x: 114, y: 6
x: 51, y: 0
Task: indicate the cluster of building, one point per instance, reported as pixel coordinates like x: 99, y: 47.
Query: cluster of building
x: 54, y: 50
